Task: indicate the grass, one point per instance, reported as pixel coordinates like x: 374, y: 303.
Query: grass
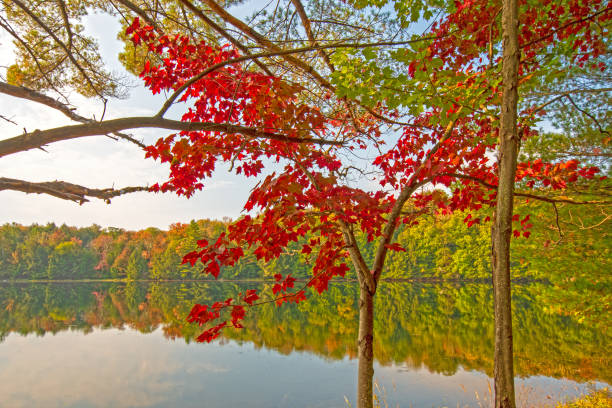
x: 601, y: 398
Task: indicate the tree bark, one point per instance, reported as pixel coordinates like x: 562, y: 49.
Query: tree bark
x: 365, y: 348
x: 66, y: 191
x: 39, y: 138
x: 502, y: 226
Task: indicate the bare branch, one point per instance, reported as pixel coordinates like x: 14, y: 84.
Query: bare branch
x: 306, y: 24
x: 261, y: 40
x: 557, y: 220
x: 139, y: 12
x: 66, y: 191
x: 35, y: 96
x: 62, y: 7
x: 342, y: 24
x: 8, y: 120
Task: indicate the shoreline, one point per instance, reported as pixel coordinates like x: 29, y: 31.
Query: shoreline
x: 388, y: 280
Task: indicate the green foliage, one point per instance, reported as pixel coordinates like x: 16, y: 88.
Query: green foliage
x: 137, y: 265
x: 69, y: 260
x: 597, y: 399
x: 52, y: 55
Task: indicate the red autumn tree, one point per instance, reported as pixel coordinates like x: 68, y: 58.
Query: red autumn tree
x: 444, y: 148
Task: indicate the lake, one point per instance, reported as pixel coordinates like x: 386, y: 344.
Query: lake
x: 128, y: 345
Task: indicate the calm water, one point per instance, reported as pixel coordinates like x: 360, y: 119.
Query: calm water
x: 102, y: 345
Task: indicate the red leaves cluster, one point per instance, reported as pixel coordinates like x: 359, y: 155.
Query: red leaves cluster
x: 466, y: 33
x: 553, y: 175
x: 282, y: 285
x: 202, y: 314
x: 282, y: 288
x: 228, y: 94
x: 525, y: 226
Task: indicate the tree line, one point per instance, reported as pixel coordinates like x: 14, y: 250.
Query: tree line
x: 439, y: 247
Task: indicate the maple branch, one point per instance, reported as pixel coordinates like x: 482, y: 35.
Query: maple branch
x: 39, y: 138
x: 65, y: 191
x: 545, y: 104
x: 287, y: 54
x: 557, y: 220
x: 526, y: 195
x: 411, y: 186
x: 170, y: 101
x: 273, y: 300
x: 561, y: 200
x: 363, y: 272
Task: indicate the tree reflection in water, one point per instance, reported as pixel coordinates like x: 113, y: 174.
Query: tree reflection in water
x: 441, y: 327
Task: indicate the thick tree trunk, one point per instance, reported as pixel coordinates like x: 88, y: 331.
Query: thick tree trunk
x: 502, y: 227
x: 365, y: 348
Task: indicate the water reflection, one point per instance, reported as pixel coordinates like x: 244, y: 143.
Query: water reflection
x: 433, y: 347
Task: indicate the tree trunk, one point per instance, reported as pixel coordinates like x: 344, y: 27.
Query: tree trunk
x: 502, y: 226
x: 365, y: 348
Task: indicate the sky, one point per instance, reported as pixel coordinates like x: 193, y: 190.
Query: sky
x: 100, y: 162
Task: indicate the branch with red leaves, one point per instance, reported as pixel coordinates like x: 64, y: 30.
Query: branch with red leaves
x: 551, y: 200
x: 203, y: 314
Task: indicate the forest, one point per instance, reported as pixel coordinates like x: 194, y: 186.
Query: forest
x: 439, y: 247
x: 442, y: 248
